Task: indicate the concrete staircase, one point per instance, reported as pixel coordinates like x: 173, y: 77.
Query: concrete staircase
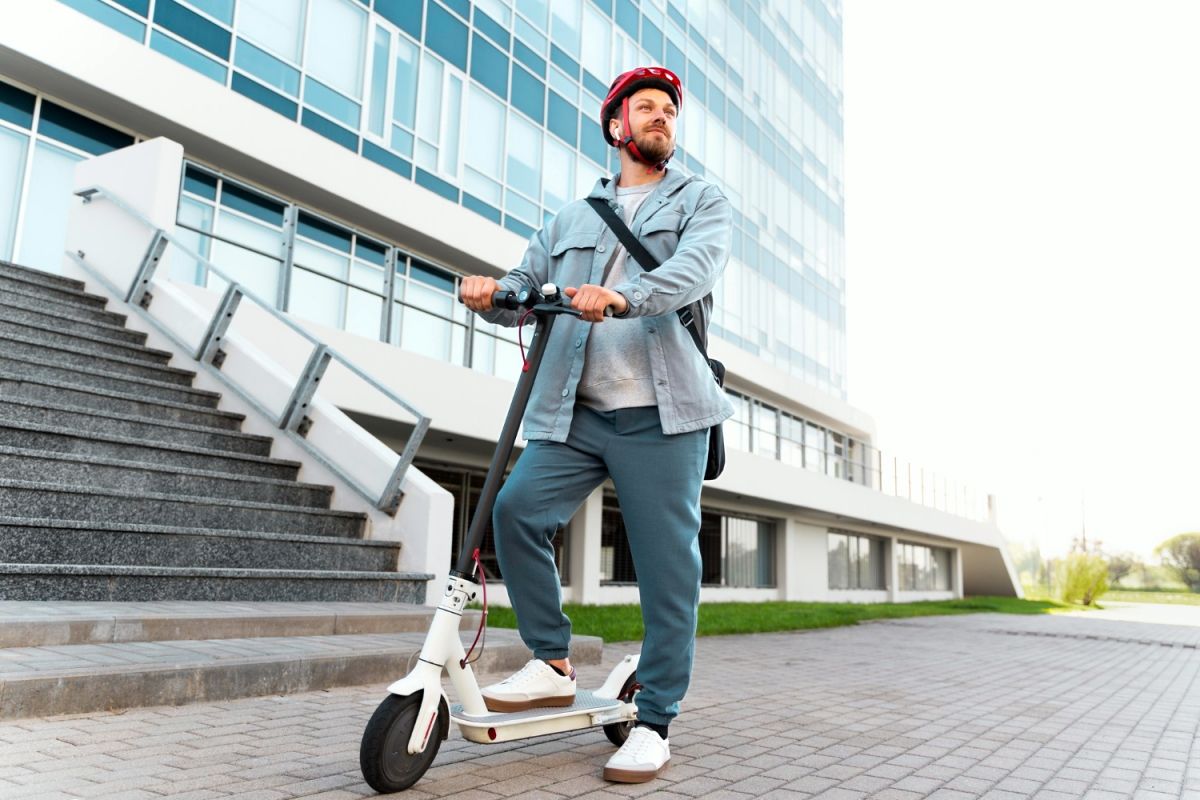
x: 119, y: 481
x: 152, y: 554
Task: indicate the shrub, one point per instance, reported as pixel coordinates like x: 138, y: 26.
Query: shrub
x: 1182, y: 554
x: 1082, y: 578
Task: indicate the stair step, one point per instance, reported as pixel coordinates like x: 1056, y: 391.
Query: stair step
x: 42, y: 390
x: 104, y: 582
x: 39, y: 276
x: 40, y: 624
x: 47, y: 541
x: 82, y: 355
x: 42, y: 412
x: 12, y: 309
x: 75, y: 679
x: 51, y: 333
x: 39, y: 368
x: 16, y: 293
x: 137, y: 478
x: 58, y: 439
x: 34, y: 286
x: 67, y: 501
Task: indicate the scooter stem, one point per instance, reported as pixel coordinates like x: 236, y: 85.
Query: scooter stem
x: 464, y: 568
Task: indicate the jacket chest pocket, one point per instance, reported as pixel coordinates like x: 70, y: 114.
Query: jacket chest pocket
x: 660, y: 234
x: 571, y: 257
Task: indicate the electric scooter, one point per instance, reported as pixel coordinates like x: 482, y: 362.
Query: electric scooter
x: 406, y: 730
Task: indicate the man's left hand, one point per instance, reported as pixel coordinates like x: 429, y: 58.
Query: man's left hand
x: 592, y: 301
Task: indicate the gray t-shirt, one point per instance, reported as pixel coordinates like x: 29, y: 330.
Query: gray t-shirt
x: 616, y: 365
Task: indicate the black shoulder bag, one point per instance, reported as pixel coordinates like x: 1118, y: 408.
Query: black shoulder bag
x: 690, y: 320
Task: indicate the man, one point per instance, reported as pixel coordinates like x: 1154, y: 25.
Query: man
x: 628, y: 397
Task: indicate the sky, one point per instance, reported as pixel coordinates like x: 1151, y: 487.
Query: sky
x: 1022, y: 183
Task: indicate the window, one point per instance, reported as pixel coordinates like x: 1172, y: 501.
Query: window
x: 380, y: 58
x: 337, y: 32
x: 484, y: 148
x: 466, y: 486
x: 564, y: 25
x: 734, y: 551
x: 404, y: 102
x: 277, y: 25
x: 524, y: 156
x: 597, y: 42
x: 13, y: 149
x: 923, y: 568
x: 44, y: 228
x: 855, y: 562
x: 558, y: 189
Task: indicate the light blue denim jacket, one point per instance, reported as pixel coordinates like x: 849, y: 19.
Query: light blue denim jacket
x: 687, y: 224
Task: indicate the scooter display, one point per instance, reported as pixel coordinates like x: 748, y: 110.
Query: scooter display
x: 402, y: 737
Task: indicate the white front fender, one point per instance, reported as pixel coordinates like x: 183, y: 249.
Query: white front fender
x: 612, y: 686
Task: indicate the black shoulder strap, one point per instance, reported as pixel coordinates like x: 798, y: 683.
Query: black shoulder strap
x: 640, y: 254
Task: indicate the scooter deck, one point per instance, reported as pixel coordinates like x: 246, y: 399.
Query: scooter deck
x: 585, y: 700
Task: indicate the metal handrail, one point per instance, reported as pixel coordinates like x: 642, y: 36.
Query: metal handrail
x: 227, y: 240
x: 955, y: 498
x: 292, y: 418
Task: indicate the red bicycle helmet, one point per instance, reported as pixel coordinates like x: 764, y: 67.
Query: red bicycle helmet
x: 618, y: 96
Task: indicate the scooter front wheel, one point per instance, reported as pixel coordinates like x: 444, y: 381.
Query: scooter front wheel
x: 618, y: 732
x: 383, y: 756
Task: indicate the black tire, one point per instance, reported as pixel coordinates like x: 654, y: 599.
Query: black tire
x: 618, y: 732
x: 383, y: 756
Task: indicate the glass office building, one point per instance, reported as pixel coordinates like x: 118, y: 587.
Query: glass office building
x: 493, y: 104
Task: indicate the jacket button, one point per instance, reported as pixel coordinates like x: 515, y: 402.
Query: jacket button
x: 579, y: 342
x: 637, y: 295
x: 566, y: 392
x: 600, y: 249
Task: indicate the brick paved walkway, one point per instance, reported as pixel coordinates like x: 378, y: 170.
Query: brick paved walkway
x: 981, y: 706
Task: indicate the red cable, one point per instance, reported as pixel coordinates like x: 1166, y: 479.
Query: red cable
x: 521, y: 344
x: 482, y: 619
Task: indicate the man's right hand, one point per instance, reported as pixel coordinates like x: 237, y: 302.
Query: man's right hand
x: 477, y: 291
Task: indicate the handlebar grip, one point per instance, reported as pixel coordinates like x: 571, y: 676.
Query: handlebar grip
x: 506, y: 298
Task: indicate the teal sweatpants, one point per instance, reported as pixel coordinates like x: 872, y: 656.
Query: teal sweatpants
x: 658, y: 480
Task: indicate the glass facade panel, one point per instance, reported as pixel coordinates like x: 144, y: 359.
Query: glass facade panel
x: 266, y: 67
x: 856, y: 562
x: 923, y: 568
x: 524, y: 156
x: 106, y: 14
x: 317, y: 298
x: 13, y: 149
x: 258, y: 273
x: 44, y: 228
x: 197, y: 215
x: 380, y: 62
x: 277, y: 25
x: 404, y: 102
x: 337, y: 34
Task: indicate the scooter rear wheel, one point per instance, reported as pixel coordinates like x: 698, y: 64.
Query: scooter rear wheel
x: 383, y: 756
x: 618, y: 732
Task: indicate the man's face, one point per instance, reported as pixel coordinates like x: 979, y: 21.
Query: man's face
x: 652, y: 120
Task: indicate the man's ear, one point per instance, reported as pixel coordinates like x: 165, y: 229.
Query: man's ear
x: 614, y: 129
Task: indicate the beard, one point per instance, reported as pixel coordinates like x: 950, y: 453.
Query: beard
x: 655, y: 148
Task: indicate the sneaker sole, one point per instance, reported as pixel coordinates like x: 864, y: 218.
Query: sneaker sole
x: 632, y: 775
x: 526, y: 705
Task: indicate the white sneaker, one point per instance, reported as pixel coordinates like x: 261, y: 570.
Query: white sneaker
x: 535, y: 685
x: 640, y: 759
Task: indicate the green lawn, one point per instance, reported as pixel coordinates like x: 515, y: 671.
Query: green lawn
x: 624, y: 623
x: 1130, y: 596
